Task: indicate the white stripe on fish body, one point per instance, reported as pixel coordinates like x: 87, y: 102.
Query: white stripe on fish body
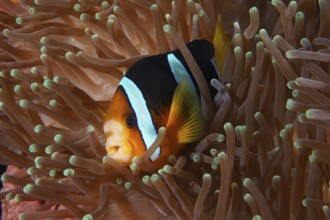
x: 179, y: 72
x: 143, y: 117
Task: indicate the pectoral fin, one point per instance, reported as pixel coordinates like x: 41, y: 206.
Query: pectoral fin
x: 185, y: 117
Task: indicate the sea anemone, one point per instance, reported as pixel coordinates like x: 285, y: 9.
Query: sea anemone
x: 265, y: 155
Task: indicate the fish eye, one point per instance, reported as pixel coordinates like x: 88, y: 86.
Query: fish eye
x: 130, y: 121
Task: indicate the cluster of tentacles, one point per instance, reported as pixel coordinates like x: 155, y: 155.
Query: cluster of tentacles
x: 266, y: 154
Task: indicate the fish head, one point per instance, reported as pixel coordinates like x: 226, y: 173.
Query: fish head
x: 123, y: 139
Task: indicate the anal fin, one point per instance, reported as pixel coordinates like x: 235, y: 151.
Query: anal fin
x: 185, y: 118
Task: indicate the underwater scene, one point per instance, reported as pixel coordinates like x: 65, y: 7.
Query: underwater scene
x: 159, y: 109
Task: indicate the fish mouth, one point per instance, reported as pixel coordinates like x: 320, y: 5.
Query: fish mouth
x: 121, y: 151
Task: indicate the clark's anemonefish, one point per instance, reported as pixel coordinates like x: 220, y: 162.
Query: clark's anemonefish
x: 158, y: 91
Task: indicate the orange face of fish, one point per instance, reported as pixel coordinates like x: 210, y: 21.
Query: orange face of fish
x: 124, y: 140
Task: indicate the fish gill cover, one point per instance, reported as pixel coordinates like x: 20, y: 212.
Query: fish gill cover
x: 266, y: 154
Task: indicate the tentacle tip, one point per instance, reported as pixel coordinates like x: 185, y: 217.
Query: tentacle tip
x: 294, y: 4
x: 23, y: 103
x: 28, y: 188
x: 289, y: 54
x: 283, y: 133
x: 304, y: 202
x: 38, y: 129
x: 311, y: 113
x: 128, y: 185
x: 68, y: 172
x: 14, y: 72
x: 37, y: 2
x: 44, y: 51
x: 312, y: 158
x: 196, y: 158
x: 80, y: 53
x: 88, y: 217
x: 248, y: 197
x: 168, y: 169
x: 105, y: 4
x: 38, y: 181
x: 274, y: 2
x: 18, y: 198
x: 98, y: 16
x: 154, y: 7
x: 146, y: 179
x: 227, y: 125
x: 49, y: 150
x: 326, y: 208
x: 43, y: 40
x: 276, y: 178
x: 43, y: 56
x: 253, y: 10
x: 155, y: 178
x: 19, y: 20
x: 134, y: 167
x: 247, y: 182
x: 90, y: 128
x: 83, y: 17
x: 73, y: 160
x: 34, y: 70
x: 167, y: 28
x: 34, y: 87
x: 106, y: 159
x: 4, y: 178
x: 262, y: 32
x: 6, y: 32
x: 201, y: 13
x: 214, y: 82
x: 299, y: 15
x: 161, y: 130
x: 207, y: 177
x: 76, y: 7
x: 58, y: 138
x: 289, y: 104
x: 222, y: 156
x: 257, y: 217
x: 69, y: 55
x: 116, y: 9
x: 52, y: 103
x: 32, y: 10
x: 257, y: 115
x: 238, y: 50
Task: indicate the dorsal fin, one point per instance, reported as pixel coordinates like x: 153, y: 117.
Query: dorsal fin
x: 221, y: 44
x: 185, y: 117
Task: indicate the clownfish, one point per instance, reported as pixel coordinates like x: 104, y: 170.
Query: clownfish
x: 158, y: 91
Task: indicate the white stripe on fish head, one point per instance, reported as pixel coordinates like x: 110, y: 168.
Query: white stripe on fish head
x: 143, y: 117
